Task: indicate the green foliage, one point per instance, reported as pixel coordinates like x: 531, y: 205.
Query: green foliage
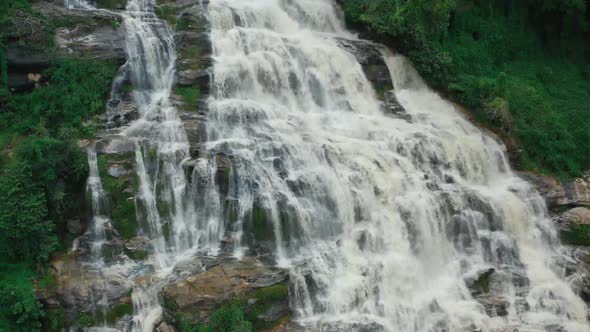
x: 521, y: 66
x: 85, y: 320
x: 19, y: 309
x: 115, y: 313
x: 76, y: 90
x: 225, y: 319
x: 167, y: 13
x: 123, y: 209
x: 578, y: 235
x: 190, y: 95
x: 263, y: 227
x: 20, y: 23
x: 26, y: 234
x: 111, y: 4
x: 266, y: 297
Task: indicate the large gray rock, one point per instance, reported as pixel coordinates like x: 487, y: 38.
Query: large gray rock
x: 138, y: 247
x: 371, y: 59
x: 194, y: 298
x: 78, y: 285
x: 84, y: 34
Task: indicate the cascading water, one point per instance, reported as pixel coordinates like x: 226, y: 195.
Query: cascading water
x: 99, y: 207
x: 383, y: 221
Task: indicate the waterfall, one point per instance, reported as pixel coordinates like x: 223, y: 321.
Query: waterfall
x: 383, y: 221
x: 99, y: 208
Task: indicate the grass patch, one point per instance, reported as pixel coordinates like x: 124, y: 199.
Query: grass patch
x: 190, y: 95
x: 167, y: 13
x: 123, y: 207
x: 117, y: 312
x: 263, y: 227
x: 578, y: 235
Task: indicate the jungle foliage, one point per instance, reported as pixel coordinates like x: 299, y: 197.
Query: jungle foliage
x: 42, y: 170
x: 522, y: 67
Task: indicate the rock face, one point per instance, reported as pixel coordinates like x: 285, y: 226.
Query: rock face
x: 575, y: 216
x: 93, y: 34
x: 263, y: 288
x: 76, y: 286
x: 559, y: 194
x: 371, y: 59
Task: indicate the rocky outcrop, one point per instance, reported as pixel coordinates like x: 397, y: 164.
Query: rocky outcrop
x: 392, y: 107
x: 558, y: 194
x: 263, y: 290
x: 575, y: 216
x: 84, y: 34
x: 77, y: 286
x: 371, y: 59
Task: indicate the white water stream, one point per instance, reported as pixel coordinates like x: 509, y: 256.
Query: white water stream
x: 380, y: 220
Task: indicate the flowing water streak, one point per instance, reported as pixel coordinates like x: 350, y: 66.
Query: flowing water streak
x: 172, y: 221
x: 383, y: 221
x: 99, y: 208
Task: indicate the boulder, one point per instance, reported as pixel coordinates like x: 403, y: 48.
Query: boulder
x: 78, y: 284
x: 369, y: 56
x: 165, y: 327
x: 138, y: 247
x: 190, y: 77
x: 187, y: 267
x: 575, y: 216
x: 194, y: 298
x: 121, y: 112
x: 118, y: 170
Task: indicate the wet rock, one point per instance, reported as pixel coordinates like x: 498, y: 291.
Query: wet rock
x: 369, y: 56
x: 115, y: 144
x: 78, y: 284
x: 495, y: 306
x: 276, y: 312
x: 195, y: 130
x: 196, y: 297
x: 118, y: 170
x: 121, y: 112
x: 165, y: 327
x: 137, y: 248
x: 188, y: 267
x: 222, y: 177
x: 195, y: 77
x: 575, y: 216
x: 124, y: 324
x: 558, y: 194
x: 188, y: 39
x: 74, y: 226
x: 391, y: 106
x: 105, y: 43
x: 358, y: 327
x: 95, y: 34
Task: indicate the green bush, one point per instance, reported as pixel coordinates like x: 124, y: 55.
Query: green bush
x: 225, y: 319
x: 19, y: 309
x: 26, y: 233
x: 75, y: 91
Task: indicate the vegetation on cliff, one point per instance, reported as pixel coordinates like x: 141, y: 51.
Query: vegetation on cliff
x: 42, y: 170
x: 522, y: 67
